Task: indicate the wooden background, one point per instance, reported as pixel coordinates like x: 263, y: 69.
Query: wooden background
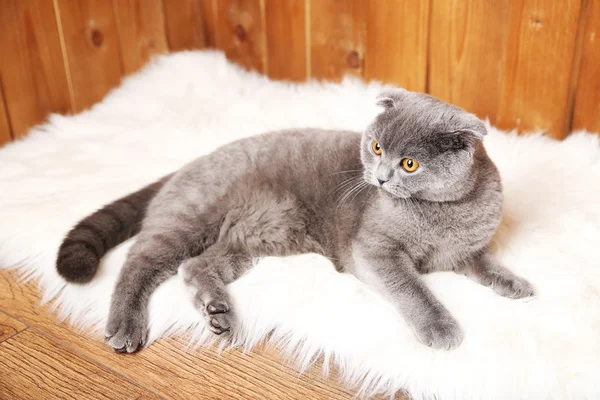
x: 530, y: 64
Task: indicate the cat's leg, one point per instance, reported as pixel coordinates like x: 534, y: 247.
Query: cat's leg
x: 151, y: 260
x: 258, y: 223
x: 399, y: 281
x: 154, y: 257
x: 484, y: 269
x: 208, y: 274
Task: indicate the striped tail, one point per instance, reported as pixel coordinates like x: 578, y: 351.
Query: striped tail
x: 80, y: 253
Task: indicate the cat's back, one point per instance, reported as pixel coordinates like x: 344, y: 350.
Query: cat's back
x: 298, y: 148
x: 310, y: 163
x: 307, y: 161
x: 301, y: 149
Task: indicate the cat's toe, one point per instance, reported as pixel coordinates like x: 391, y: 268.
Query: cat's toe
x: 443, y: 334
x: 216, y: 310
x: 515, y: 288
x: 216, y: 307
x: 220, y: 323
x: 126, y: 334
x: 218, y: 315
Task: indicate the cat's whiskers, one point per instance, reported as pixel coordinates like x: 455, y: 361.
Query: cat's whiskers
x: 408, y: 207
x: 409, y: 202
x: 349, y: 179
x: 363, y: 187
x: 357, y: 187
x: 348, y: 189
x: 416, y: 204
x: 346, y: 183
x: 346, y: 171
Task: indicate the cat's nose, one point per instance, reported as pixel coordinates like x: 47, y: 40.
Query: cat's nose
x: 383, y: 173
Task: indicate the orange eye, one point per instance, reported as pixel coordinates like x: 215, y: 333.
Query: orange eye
x: 409, y: 164
x: 376, y: 147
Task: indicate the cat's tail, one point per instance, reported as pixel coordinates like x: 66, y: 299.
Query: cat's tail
x: 80, y: 252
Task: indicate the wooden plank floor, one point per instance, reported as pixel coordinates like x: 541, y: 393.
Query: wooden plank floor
x: 41, y: 358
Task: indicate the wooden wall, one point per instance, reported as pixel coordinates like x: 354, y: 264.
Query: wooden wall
x: 530, y: 64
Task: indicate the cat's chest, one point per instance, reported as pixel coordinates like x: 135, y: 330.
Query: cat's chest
x: 432, y: 222
x: 438, y: 231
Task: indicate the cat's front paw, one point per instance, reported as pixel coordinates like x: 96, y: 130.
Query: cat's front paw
x: 441, y: 334
x: 126, y: 330
x: 513, y: 287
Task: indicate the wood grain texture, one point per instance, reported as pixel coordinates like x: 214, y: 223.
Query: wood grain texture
x: 34, y: 367
x: 92, y: 48
x: 240, y: 32
x: 337, y: 37
x: 141, y: 29
x: 185, y: 23
x: 587, y: 99
x: 31, y: 65
x: 540, y: 49
x: 9, y: 327
x: 396, y: 50
x: 286, y: 39
x: 5, y: 129
x: 174, y: 371
x: 466, y: 52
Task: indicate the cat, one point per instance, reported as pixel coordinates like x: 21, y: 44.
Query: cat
x: 415, y: 193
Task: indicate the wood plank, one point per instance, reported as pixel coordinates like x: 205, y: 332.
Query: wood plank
x: 185, y: 23
x: 210, y: 22
x: 31, y: 66
x: 9, y: 326
x: 34, y: 367
x: 92, y: 48
x: 168, y: 368
x: 240, y: 32
x: 467, y: 45
x: 141, y: 28
x: 540, y: 50
x: 5, y: 129
x: 337, y: 37
x: 587, y: 101
x: 397, y: 35
x: 286, y: 39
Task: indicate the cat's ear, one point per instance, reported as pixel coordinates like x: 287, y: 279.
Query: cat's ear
x: 470, y: 131
x: 473, y: 129
x: 390, y: 98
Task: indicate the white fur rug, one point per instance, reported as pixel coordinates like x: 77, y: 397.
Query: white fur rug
x: 184, y: 105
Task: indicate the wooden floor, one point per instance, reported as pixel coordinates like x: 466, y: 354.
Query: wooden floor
x: 43, y: 359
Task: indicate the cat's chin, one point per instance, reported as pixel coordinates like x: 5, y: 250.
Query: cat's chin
x: 400, y: 196
x: 397, y: 194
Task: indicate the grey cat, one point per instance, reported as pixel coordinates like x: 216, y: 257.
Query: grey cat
x: 413, y: 194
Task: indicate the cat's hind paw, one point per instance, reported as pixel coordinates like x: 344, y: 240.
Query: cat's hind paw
x: 218, y: 316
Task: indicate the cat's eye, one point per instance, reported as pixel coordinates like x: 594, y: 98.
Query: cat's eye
x: 409, y: 164
x: 376, y: 147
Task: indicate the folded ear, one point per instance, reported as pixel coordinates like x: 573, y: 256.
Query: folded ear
x: 473, y: 127
x: 391, y: 97
x: 468, y: 132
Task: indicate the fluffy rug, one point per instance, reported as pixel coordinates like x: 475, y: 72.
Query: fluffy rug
x: 185, y: 105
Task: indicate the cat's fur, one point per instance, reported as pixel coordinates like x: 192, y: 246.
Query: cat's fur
x: 317, y: 191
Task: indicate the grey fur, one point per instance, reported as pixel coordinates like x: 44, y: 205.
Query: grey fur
x: 309, y: 190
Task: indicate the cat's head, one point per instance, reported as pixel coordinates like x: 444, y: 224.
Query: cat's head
x: 420, y: 146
